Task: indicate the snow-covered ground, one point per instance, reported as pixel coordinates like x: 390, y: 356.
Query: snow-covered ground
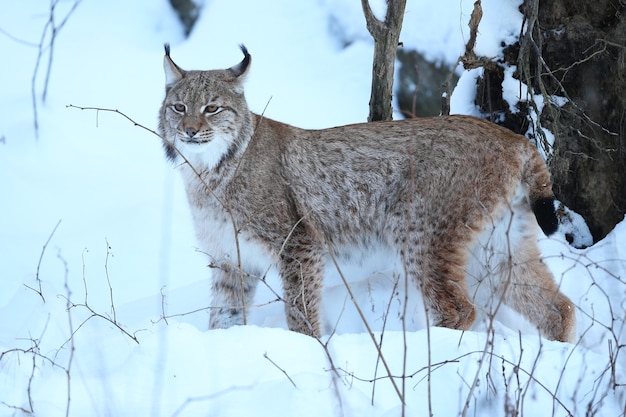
x: 103, y: 297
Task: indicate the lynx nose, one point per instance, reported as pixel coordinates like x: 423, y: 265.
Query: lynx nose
x: 191, y: 131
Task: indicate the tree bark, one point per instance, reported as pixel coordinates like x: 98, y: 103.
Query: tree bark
x: 386, y: 35
x: 577, y: 49
x: 574, y: 49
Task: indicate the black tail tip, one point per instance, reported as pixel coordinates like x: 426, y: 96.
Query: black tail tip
x: 167, y: 48
x: 546, y: 215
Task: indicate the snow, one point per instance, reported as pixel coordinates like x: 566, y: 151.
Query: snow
x: 462, y: 100
x: 103, y: 296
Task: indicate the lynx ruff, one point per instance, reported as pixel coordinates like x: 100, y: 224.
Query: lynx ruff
x: 453, y: 197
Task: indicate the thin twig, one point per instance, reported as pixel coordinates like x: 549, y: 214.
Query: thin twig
x: 106, y: 272
x: 68, y: 369
x: 43, y: 250
x: 382, y: 332
x: 18, y: 40
x: 367, y: 326
x: 54, y: 31
x: 163, y: 303
x: 405, y: 266
x: 280, y: 369
x: 98, y: 315
x: 490, y: 339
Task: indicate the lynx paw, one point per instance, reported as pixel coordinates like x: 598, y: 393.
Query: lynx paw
x: 560, y: 324
x: 460, y: 318
x: 223, y: 318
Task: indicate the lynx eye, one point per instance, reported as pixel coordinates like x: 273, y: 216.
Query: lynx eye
x: 179, y: 107
x: 211, y: 108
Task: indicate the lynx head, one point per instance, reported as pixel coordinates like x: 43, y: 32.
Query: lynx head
x: 204, y: 112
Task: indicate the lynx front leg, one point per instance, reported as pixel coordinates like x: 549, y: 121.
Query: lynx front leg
x: 301, y: 269
x: 233, y: 291
x: 440, y: 275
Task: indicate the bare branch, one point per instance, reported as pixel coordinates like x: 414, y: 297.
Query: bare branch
x: 374, y: 26
x: 18, y: 40
x: 367, y: 326
x: 68, y: 369
x: 476, y: 17
x: 469, y: 58
x: 53, y: 29
x: 280, y: 369
x: 43, y: 250
x: 106, y: 271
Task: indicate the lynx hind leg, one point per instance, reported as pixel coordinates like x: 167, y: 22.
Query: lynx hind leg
x: 233, y: 291
x: 301, y: 268
x: 506, y: 265
x: 533, y: 293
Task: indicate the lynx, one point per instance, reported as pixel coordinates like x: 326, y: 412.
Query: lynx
x: 443, y: 194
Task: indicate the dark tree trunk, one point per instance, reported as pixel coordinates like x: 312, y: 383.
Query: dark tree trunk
x: 585, y: 47
x: 574, y: 49
x: 386, y: 36
x: 188, y: 12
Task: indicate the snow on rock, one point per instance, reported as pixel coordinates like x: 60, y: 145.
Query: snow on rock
x: 572, y: 226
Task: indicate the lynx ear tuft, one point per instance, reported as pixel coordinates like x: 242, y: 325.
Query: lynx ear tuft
x: 173, y: 73
x: 242, y: 68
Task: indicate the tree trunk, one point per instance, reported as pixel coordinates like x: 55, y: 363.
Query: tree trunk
x: 574, y: 49
x: 188, y: 12
x: 386, y: 35
x: 584, y: 50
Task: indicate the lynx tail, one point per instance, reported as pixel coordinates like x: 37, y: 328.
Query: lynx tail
x: 537, y: 179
